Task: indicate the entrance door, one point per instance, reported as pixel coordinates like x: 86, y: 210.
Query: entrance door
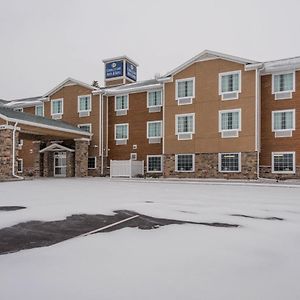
x: 60, y: 164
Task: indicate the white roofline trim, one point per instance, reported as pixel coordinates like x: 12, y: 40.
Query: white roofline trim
x: 54, y: 146
x: 107, y: 60
x: 145, y: 88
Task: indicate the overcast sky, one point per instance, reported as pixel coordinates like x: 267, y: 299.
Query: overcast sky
x: 44, y: 42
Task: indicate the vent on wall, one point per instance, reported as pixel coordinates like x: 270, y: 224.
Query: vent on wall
x: 230, y: 96
x: 283, y: 133
x: 230, y: 134
x: 283, y: 95
x: 121, y: 142
x: 154, y: 109
x: 57, y: 117
x: 154, y: 140
x: 122, y: 112
x: 185, y: 136
x: 185, y: 101
x: 84, y: 114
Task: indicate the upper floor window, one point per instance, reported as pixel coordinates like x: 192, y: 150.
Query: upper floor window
x: 185, y: 126
x: 39, y: 110
x: 121, y: 104
x: 154, y: 99
x: 154, y: 131
x: 185, y: 91
x: 230, y: 85
x: 283, y: 122
x: 230, y: 123
x: 86, y: 127
x: 283, y: 162
x: 57, y: 108
x: 283, y: 85
x: 121, y: 133
x: 84, y: 103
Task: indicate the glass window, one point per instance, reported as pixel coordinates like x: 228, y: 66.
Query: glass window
x: 154, y: 129
x: 39, y: 110
x: 84, y: 103
x: 154, y: 163
x: 283, y: 120
x: 185, y: 88
x: 121, y: 132
x: 121, y: 102
x: 230, y: 120
x: 20, y: 165
x: 57, y: 106
x: 92, y: 163
x: 154, y: 98
x: 283, y: 162
x: 185, y: 123
x: 283, y: 82
x: 185, y: 163
x: 230, y: 82
x: 229, y: 162
x: 86, y: 127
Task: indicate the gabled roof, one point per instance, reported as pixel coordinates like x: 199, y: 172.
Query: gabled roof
x: 68, y: 81
x: 207, y: 55
x: 10, y: 115
x: 56, y: 147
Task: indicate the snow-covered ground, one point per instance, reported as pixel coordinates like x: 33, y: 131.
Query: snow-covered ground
x: 259, y: 260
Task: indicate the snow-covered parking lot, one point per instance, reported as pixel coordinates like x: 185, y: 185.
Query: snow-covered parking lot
x: 260, y: 259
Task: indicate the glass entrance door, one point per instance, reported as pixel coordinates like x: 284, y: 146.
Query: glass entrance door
x: 60, y: 164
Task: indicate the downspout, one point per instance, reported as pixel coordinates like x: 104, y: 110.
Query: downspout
x: 102, y: 140
x: 14, y: 152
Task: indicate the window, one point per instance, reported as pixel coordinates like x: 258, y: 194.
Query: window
x: 154, y: 163
x: 229, y: 162
x: 20, y: 109
x: 185, y: 125
x: 20, y: 165
x: 133, y: 156
x: 185, y: 91
x: 230, y: 85
x: 92, y: 163
x: 230, y: 122
x: 283, y: 162
x: 86, y: 127
x: 154, y: 129
x: 56, y: 107
x: 154, y: 99
x: 39, y: 110
x: 184, y: 162
x: 121, y: 102
x: 283, y: 120
x: 121, y: 132
x: 84, y: 103
x: 283, y: 85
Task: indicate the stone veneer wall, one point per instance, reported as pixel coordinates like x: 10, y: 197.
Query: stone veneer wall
x: 81, y: 157
x: 206, y: 166
x: 266, y: 172
x: 97, y: 171
x: 6, y: 153
x: 70, y: 164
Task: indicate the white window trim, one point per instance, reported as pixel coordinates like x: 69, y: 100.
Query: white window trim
x: 228, y: 111
x: 176, y: 123
x: 230, y: 73
x: 283, y: 111
x: 176, y: 88
x: 161, y: 163
x: 150, y: 106
x: 87, y: 124
x: 176, y: 160
x: 35, y: 109
x: 95, y: 159
x: 62, y: 106
x: 150, y: 137
x: 284, y: 73
x: 127, y: 124
x: 232, y: 153
x: 284, y: 172
x: 123, y: 109
x: 20, y: 160
x: 78, y: 103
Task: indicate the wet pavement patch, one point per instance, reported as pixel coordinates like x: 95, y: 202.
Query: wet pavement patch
x: 35, y: 234
x: 258, y: 218
x: 11, y: 208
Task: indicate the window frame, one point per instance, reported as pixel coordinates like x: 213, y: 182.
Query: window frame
x: 22, y: 165
x: 284, y: 73
x: 95, y: 162
x: 122, y: 109
x: 86, y: 124
x: 78, y: 103
x: 151, y: 106
x: 161, y: 163
x: 184, y: 115
x: 230, y: 153
x: 182, y: 80
x: 62, y: 106
x: 43, y: 109
x: 161, y: 130
x: 281, y: 153
x: 283, y: 111
x: 184, y: 171
x: 115, y: 134
x: 229, y: 111
x: 239, y: 72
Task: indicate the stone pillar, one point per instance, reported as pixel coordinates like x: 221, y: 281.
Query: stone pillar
x: 6, y: 152
x: 36, y: 146
x: 70, y: 164
x: 81, y: 157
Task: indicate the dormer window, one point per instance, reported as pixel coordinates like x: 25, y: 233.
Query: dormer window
x: 185, y: 91
x: 230, y: 85
x: 283, y: 85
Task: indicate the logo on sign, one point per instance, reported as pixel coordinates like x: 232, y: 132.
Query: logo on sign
x: 131, y: 71
x: 114, y: 69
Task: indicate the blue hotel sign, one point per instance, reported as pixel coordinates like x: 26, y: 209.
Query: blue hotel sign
x: 114, y: 69
x: 130, y: 70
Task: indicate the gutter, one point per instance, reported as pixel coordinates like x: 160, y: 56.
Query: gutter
x: 14, y: 153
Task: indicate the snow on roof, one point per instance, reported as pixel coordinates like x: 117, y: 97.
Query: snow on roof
x: 24, y: 102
